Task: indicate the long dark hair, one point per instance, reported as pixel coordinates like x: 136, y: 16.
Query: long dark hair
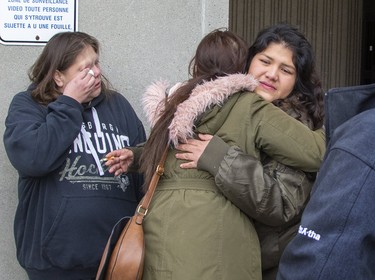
x: 219, y: 53
x: 59, y: 53
x: 307, y: 95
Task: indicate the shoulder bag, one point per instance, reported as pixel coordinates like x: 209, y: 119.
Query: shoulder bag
x: 123, y: 256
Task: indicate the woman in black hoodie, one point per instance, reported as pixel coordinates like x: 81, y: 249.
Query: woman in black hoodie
x: 56, y: 133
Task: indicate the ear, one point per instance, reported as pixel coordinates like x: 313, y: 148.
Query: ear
x: 58, y: 78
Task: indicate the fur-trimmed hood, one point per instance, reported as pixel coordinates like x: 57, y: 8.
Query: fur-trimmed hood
x: 201, y: 98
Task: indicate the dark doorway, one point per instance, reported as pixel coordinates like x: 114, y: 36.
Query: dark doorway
x: 368, y: 47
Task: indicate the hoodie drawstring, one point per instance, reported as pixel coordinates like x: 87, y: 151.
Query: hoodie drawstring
x: 97, y: 122
x: 86, y: 137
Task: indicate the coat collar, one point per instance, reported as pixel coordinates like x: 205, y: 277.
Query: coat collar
x: 203, y: 97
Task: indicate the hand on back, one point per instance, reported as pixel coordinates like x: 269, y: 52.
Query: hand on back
x: 192, y: 150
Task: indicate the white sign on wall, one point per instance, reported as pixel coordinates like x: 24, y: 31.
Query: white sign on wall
x: 34, y: 22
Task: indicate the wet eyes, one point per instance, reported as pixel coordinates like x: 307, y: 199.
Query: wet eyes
x: 283, y: 69
x: 287, y: 71
x: 96, y: 63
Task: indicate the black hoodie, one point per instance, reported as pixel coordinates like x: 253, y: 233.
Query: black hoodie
x: 68, y: 203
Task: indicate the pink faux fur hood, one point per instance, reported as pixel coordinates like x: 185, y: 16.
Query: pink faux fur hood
x: 201, y: 98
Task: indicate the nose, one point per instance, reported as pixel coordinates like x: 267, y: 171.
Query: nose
x: 96, y: 70
x: 272, y: 73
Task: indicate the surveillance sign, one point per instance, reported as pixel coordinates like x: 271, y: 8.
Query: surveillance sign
x: 34, y: 22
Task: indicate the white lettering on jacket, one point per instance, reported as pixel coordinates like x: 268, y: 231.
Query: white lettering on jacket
x: 309, y: 233
x: 86, y: 174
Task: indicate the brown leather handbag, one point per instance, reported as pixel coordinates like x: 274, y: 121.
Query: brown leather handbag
x: 123, y: 256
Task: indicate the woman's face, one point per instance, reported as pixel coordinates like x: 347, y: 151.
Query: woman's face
x: 88, y: 58
x: 275, y: 71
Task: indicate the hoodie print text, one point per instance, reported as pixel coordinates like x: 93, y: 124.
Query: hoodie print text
x: 82, y: 166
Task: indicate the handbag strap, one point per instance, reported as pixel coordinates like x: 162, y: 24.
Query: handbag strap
x: 144, y: 204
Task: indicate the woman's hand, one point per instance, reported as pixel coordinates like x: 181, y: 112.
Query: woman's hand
x: 81, y: 86
x: 118, y: 161
x: 193, y: 150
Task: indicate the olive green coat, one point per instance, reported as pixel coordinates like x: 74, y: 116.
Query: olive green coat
x: 192, y: 231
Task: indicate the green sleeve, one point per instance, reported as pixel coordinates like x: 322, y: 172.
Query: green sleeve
x: 284, y: 138
x: 213, y: 155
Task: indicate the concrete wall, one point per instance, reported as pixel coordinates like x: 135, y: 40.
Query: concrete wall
x: 142, y: 40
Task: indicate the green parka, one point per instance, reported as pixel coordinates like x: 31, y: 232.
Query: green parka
x: 192, y: 230
x: 271, y: 193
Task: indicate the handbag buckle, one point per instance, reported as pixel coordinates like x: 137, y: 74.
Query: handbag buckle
x: 160, y: 170
x: 142, y: 211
